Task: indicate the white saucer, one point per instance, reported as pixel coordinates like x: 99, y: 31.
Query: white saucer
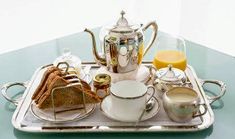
x: 105, y: 107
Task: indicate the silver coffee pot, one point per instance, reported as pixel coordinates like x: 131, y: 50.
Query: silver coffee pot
x: 123, y: 45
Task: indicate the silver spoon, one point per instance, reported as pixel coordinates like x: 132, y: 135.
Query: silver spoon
x: 149, y: 106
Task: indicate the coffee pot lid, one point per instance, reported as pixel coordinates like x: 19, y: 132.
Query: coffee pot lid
x: 170, y: 74
x: 122, y: 25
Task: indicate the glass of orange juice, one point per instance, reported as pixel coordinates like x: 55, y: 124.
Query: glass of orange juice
x: 170, y: 50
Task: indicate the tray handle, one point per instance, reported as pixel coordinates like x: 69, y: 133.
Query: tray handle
x: 6, y: 86
x: 222, y: 86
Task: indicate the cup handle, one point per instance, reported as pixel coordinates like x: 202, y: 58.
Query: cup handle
x: 204, y: 112
x: 6, y: 86
x: 153, y: 37
x: 152, y: 93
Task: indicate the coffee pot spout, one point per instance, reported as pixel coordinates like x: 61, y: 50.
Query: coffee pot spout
x: 98, y: 58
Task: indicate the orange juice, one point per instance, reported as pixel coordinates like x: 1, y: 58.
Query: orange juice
x: 165, y: 57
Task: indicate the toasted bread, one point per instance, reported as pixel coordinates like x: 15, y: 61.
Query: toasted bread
x: 46, y: 84
x: 65, y: 96
x: 43, y: 80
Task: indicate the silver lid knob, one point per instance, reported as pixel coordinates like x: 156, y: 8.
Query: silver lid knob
x: 122, y: 21
x: 122, y: 13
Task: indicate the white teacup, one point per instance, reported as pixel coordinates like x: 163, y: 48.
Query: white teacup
x: 129, y: 99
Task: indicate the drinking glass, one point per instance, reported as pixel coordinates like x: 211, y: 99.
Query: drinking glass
x: 171, y: 50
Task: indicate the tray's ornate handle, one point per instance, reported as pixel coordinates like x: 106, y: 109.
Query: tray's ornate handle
x: 216, y: 82
x: 6, y: 86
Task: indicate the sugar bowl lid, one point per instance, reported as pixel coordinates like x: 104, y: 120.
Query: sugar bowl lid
x: 123, y: 26
x: 170, y: 74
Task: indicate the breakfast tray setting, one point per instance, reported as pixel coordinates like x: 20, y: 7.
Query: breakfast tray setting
x: 25, y: 118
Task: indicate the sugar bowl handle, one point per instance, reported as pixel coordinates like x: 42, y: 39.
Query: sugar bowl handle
x: 222, y: 86
x: 6, y: 86
x: 153, y: 37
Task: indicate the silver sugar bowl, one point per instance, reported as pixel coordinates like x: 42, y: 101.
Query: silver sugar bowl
x: 165, y: 79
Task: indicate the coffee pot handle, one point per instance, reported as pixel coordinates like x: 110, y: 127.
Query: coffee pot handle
x: 153, y: 36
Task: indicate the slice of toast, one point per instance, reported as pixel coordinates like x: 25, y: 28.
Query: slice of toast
x: 43, y: 80
x: 46, y: 84
x: 63, y: 98
x: 66, y: 97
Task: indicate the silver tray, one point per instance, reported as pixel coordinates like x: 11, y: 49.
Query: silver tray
x: 24, y: 120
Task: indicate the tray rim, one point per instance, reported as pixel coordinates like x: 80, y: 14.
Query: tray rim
x: 204, y: 125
